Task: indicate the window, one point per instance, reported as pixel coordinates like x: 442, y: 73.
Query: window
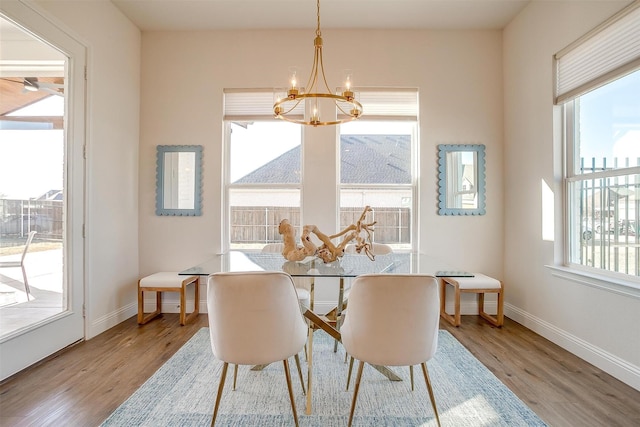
x: 263, y: 173
x: 602, y: 143
x: 603, y: 181
x: 377, y: 165
x: 263, y: 170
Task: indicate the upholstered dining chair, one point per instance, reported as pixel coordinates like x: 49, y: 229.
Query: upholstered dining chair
x: 20, y: 263
x: 376, y: 249
x: 303, y: 287
x: 409, y: 337
x: 255, y: 319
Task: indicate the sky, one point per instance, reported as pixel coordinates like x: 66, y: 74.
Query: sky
x: 609, y: 128
x: 31, y: 162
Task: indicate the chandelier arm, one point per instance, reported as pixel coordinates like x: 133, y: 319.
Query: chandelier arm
x: 341, y: 110
x: 315, y: 124
x: 314, y: 71
x: 282, y: 102
x: 350, y: 116
x: 326, y: 85
x: 356, y: 106
x: 292, y: 108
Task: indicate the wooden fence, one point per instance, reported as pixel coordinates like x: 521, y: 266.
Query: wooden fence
x: 260, y: 224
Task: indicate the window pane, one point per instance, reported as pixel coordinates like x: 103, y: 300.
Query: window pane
x: 256, y: 214
x: 605, y: 220
x: 376, y: 170
x: 375, y: 152
x: 391, y: 211
x: 607, y: 131
x: 265, y: 153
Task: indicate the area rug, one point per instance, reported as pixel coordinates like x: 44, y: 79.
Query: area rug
x: 182, y: 393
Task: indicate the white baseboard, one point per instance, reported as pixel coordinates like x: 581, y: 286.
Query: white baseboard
x: 611, y: 364
x: 110, y: 320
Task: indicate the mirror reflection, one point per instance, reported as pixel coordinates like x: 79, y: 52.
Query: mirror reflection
x: 461, y: 180
x: 179, y: 180
x: 462, y: 189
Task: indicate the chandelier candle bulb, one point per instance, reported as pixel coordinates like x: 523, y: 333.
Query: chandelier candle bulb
x: 315, y: 116
x: 348, y: 93
x: 293, y: 90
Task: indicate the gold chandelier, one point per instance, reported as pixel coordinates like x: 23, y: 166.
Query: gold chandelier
x: 345, y: 102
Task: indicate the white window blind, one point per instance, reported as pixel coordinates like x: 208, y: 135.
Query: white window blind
x: 388, y: 103
x: 609, y: 51
x: 252, y: 104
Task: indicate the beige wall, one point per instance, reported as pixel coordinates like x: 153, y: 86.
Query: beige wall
x: 113, y: 101
x: 459, y: 77
x: 600, y: 325
x: 447, y: 67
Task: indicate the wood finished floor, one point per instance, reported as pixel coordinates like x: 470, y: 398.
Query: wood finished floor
x: 82, y: 385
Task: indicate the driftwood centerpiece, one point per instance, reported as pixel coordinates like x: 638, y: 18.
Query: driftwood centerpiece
x: 328, y: 251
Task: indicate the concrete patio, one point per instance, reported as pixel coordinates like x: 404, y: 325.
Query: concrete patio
x: 44, y: 272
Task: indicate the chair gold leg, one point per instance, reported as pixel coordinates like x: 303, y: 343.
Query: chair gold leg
x: 431, y: 395
x: 300, y: 373
x: 293, y: 402
x: 355, y: 392
x: 349, y: 374
x: 223, y: 375
x: 235, y: 376
x: 411, y: 375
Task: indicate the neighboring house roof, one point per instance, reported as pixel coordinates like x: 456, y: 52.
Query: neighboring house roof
x: 366, y: 159
x: 284, y: 169
x: 51, y: 195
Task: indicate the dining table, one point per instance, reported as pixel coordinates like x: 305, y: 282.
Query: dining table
x: 350, y: 265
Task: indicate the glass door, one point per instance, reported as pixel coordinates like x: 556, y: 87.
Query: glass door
x: 41, y: 188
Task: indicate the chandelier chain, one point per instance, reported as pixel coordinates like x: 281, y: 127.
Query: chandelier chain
x: 318, y: 33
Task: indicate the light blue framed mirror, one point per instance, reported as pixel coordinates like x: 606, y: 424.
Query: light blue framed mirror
x: 461, y: 179
x: 179, y: 180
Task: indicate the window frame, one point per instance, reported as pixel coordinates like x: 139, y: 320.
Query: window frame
x: 571, y: 269
x: 229, y: 186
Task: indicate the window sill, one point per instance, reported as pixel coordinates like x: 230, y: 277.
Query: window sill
x: 612, y: 284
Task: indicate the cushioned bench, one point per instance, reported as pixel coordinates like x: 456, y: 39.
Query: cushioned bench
x: 167, y: 282
x: 479, y: 284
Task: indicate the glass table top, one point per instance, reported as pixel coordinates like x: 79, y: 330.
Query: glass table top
x: 350, y: 265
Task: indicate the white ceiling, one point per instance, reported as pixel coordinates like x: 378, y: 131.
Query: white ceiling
x: 158, y: 15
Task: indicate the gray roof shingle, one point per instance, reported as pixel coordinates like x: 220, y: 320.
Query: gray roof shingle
x: 366, y: 159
